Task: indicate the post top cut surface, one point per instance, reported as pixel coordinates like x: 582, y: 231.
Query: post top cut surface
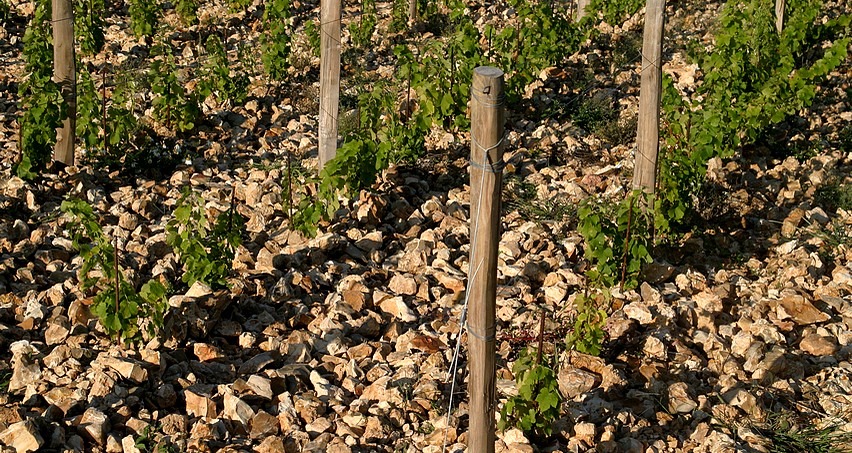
x: 488, y: 71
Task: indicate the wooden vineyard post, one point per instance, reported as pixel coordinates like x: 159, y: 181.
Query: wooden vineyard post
x: 648, y: 134
x: 780, y: 6
x: 486, y: 178
x: 412, y: 12
x: 581, y: 9
x: 65, y: 76
x: 329, y: 79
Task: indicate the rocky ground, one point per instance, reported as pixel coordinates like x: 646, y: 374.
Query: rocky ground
x: 343, y: 342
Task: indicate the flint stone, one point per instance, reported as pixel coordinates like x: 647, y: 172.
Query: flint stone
x: 263, y: 424
x: 199, y: 404
x: 259, y: 362
x: 237, y: 410
x: 800, y: 310
x: 680, y: 398
x: 95, y: 425
x: 56, y: 333
x: 25, y: 372
x: 658, y: 272
x: 818, y: 345
x: 273, y: 444
x: 166, y: 396
x: 574, y: 381
x: 403, y: 285
x: 261, y: 386
x: 639, y: 312
x: 396, y: 307
x: 127, y: 368
x: 22, y: 436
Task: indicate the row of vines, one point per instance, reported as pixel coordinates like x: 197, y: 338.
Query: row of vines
x: 754, y: 76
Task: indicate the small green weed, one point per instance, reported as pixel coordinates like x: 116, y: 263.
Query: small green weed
x: 594, y: 112
x: 588, y: 335
x: 837, y: 237
x: 845, y: 139
x: 312, y: 32
x: 236, y: 6
x: 120, y: 308
x: 521, y: 196
x: 217, y: 78
x: 188, y: 11
x: 206, y: 252
x: 173, y: 106
x: 144, y: 16
x: 147, y: 442
x: 5, y: 378
x: 4, y: 12
x: 275, y: 43
x: 834, y: 195
x: 362, y: 30
x: 785, y: 435
x: 618, y: 131
x: 536, y: 406
x: 41, y: 99
x: 617, y: 237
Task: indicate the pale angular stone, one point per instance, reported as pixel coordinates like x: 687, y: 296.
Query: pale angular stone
x: 396, y: 307
x: 128, y: 444
x: 655, y: 348
x: 263, y: 425
x: 259, y: 362
x: 574, y: 381
x: 95, y: 424
x: 128, y: 368
x: 26, y: 372
x: 318, y: 426
x: 639, y: 312
x: 199, y: 289
x: 237, y: 410
x: 207, y: 352
x: 272, y: 444
x: 681, y: 399
x: 22, y: 436
x: 261, y: 386
x: 800, y: 310
x: 585, y: 432
x: 403, y: 285
x: 56, y: 333
x: 818, y: 345
x: 199, y: 404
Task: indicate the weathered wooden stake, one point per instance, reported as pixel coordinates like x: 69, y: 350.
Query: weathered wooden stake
x: 581, y: 9
x: 104, y: 110
x: 329, y: 79
x: 486, y: 178
x: 412, y: 12
x: 65, y: 76
x: 648, y: 134
x: 780, y: 7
